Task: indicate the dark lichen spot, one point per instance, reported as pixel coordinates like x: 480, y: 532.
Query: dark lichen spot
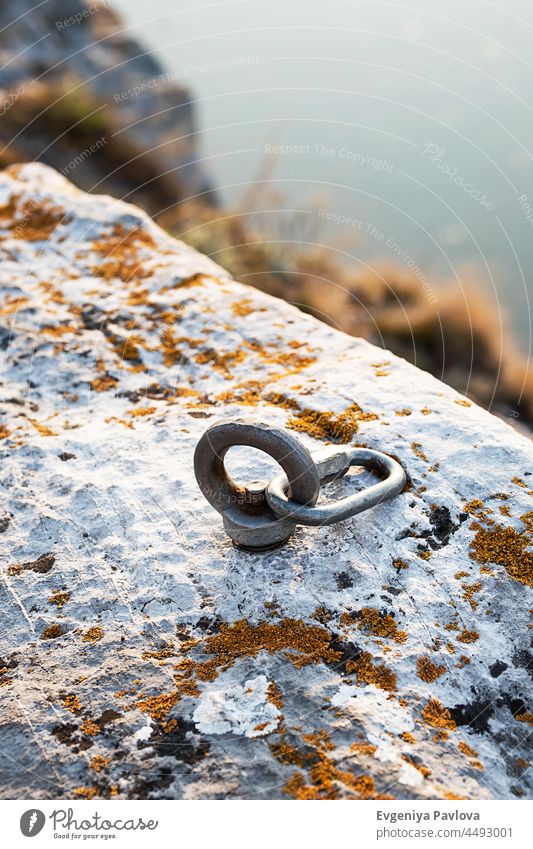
x: 497, y: 668
x: 476, y: 715
x: 66, y: 456
x: 344, y: 581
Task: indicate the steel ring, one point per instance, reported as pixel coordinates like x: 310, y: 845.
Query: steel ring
x: 394, y: 481
x: 247, y: 516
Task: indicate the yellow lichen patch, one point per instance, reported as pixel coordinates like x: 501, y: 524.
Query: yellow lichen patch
x: 12, y: 305
x: 52, y: 632
x: 427, y: 670
x: 128, y: 349
x: 4, y: 432
x: 42, y: 428
x: 104, y: 383
x: 287, y: 754
x: 506, y: 547
x: 404, y: 412
x: 368, y: 673
x: 519, y: 482
x: 527, y: 716
x: 274, y: 695
x: 462, y: 402
x: 425, y: 411
x: 36, y: 222
x: 243, y: 307
x: 416, y: 448
x: 400, y: 564
x: 407, y: 737
x: 340, y: 427
x: 325, y: 779
x: 90, y: 728
x: 367, y: 749
x: 137, y: 297
x: 59, y: 598
x: 381, y: 624
x: 85, y: 792
x: 99, y: 762
x: 473, y: 507
x: 468, y: 636
x: 158, y: 707
x: 142, y: 411
x: 163, y: 653
x: 72, y: 703
x: 220, y: 362
x: 527, y: 520
x: 467, y: 750
x: 169, y: 347
x: 120, y: 254
x: 300, y: 643
x: 437, y: 715
x: 93, y: 635
x: 469, y: 591
x: 58, y: 329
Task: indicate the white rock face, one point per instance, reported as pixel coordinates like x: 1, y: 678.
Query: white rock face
x: 142, y: 655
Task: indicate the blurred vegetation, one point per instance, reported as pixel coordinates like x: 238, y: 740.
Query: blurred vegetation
x: 455, y: 335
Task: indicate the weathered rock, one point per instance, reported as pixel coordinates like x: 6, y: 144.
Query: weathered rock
x: 143, y: 655
x: 78, y: 93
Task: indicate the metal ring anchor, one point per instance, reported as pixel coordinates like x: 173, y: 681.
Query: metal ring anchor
x: 392, y: 483
x: 264, y: 515
x: 247, y: 517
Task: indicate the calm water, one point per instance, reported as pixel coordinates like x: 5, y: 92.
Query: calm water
x: 401, y: 131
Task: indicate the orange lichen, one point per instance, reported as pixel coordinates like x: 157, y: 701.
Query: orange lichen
x: 85, y: 792
x: 462, y: 402
x: 52, y: 632
x: 274, y: 695
x: 59, y: 598
x: 158, y: 707
x: 243, y: 307
x: 93, y: 635
x: 400, y: 564
x: 326, y: 780
x: 72, y: 703
x: 368, y: 673
x: 367, y: 749
x: 381, y: 624
x: 167, y: 650
x: 42, y: 428
x: 467, y: 750
x: 99, y: 762
x: 527, y: 716
x: 473, y: 507
x: 467, y: 636
x: 469, y: 590
x: 220, y: 362
x: 301, y: 643
x: 90, y: 728
x: 506, y: 547
x: 404, y: 412
x: 104, y: 383
x: 427, y: 670
x: 407, y: 737
x: 142, y: 411
x: 340, y: 427
x: 437, y: 715
x: 416, y: 448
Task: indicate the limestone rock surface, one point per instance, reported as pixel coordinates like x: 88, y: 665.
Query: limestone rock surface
x: 141, y: 654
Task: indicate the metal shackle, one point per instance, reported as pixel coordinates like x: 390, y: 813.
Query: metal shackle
x: 263, y: 515
x: 247, y: 517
